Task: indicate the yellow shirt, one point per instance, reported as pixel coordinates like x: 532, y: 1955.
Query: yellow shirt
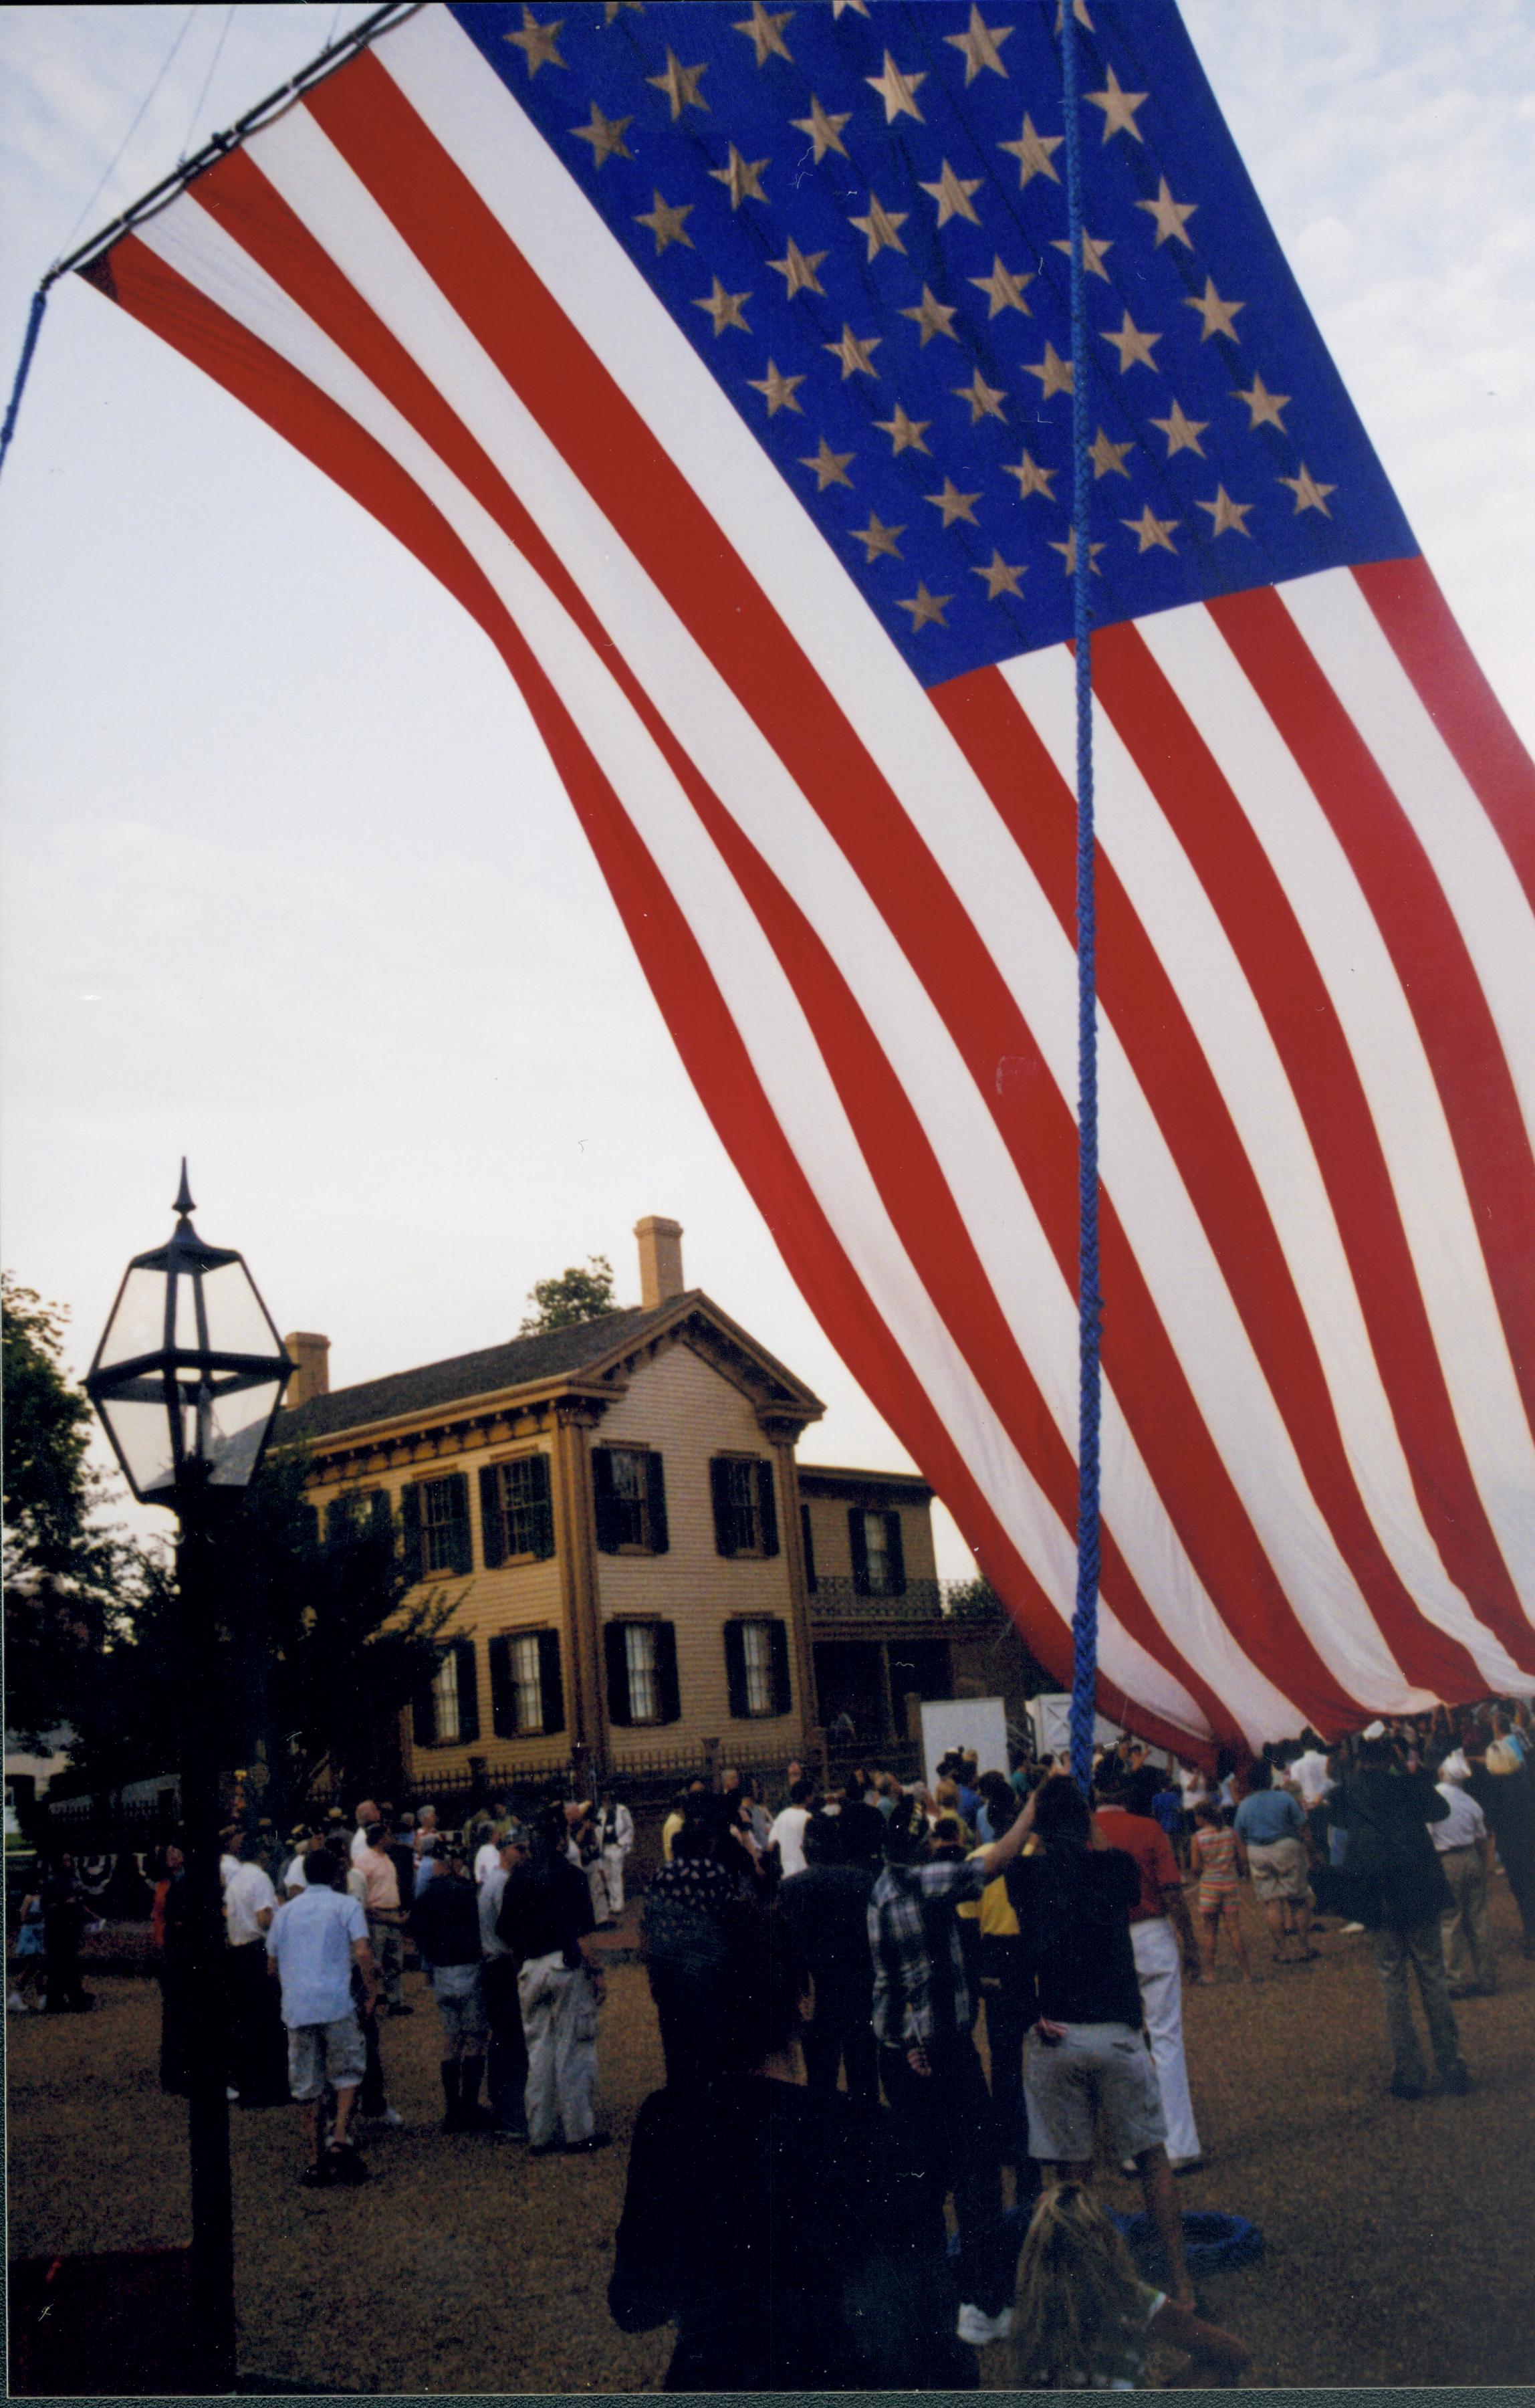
x: 992, y: 1910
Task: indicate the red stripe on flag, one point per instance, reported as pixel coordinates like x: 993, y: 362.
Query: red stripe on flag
x: 1261, y: 924
x: 890, y: 1135
x: 916, y: 1194
x: 1142, y: 1005
x: 1418, y: 624
x: 1438, y: 976
x: 716, y: 1059
x: 478, y: 270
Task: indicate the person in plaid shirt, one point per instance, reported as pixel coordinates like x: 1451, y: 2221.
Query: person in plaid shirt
x: 923, y: 2018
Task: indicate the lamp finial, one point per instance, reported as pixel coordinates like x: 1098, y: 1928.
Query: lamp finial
x: 183, y: 1204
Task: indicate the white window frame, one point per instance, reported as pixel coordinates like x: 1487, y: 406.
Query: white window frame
x: 757, y: 1662
x: 527, y: 1683
x: 436, y: 1530
x: 446, y: 1722
x: 642, y: 1668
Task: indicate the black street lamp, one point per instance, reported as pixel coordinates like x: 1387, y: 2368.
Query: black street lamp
x: 187, y: 1378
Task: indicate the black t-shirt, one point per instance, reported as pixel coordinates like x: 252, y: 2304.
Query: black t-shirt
x: 768, y: 2225
x: 1073, y: 1908
x: 825, y: 1909
x: 545, y: 1913
x: 446, y: 1921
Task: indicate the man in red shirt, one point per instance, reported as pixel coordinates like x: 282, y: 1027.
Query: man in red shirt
x: 1159, y: 1929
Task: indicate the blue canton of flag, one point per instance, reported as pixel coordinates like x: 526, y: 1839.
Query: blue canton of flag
x: 857, y: 216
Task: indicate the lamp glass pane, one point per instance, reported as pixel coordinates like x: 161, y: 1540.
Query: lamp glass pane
x: 141, y: 1429
x: 235, y: 1429
x: 137, y: 1325
x: 186, y: 1312
x: 236, y: 1321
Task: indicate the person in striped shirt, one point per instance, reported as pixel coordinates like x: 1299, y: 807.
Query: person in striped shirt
x: 1217, y: 1852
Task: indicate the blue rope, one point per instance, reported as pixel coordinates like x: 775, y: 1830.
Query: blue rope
x: 29, y: 344
x: 1089, y: 1302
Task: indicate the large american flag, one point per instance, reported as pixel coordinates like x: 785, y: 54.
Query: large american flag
x: 718, y: 358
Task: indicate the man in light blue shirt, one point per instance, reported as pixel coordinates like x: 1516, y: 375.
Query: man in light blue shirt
x: 1271, y: 1826
x: 312, y: 1946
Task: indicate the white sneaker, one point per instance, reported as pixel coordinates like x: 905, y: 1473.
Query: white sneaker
x: 1346, y: 1928
x: 16, y: 2004
x: 978, y: 2329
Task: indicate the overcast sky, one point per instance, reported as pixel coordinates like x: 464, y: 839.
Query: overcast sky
x: 289, y: 883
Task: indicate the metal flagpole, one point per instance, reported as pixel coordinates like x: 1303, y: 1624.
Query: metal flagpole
x: 381, y: 21
x: 1089, y: 1300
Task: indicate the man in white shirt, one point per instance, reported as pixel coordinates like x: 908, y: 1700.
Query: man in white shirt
x: 506, y: 2063
x: 255, y: 2036
x: 487, y: 1857
x: 312, y: 1944
x: 1465, y: 1856
x: 787, y: 1834
x: 304, y: 1839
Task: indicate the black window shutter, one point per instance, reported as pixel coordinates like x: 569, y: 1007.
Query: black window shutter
x: 724, y: 1519
x: 783, y: 1694
x: 424, y: 1708
x: 602, y: 1501
x: 543, y: 1527
x: 656, y: 1499
x: 550, y: 1682
x: 469, y: 1692
x: 665, y: 1672
x: 463, y: 1544
x: 338, y: 1520
x: 411, y: 1532
x: 894, y: 1554
x: 309, y: 1516
x: 860, y: 1552
x: 381, y: 1521
x: 618, y: 1674
x: 503, y: 1693
x: 767, y: 1508
x: 807, y: 1538
x: 735, y: 1668
x: 491, y: 1534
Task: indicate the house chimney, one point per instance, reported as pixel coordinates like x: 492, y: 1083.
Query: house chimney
x: 660, y: 1260
x: 311, y: 1353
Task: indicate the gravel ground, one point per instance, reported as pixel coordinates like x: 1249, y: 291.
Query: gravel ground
x: 1398, y: 2234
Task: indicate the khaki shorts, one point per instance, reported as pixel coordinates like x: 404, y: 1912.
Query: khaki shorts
x: 1098, y: 2071
x: 322, y: 2052
x: 460, y: 1994
x: 1279, y: 1872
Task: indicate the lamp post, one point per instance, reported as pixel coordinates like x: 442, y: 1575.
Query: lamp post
x: 187, y: 1380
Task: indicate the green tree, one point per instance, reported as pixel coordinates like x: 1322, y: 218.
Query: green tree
x: 332, y: 1651
x: 578, y: 1295
x: 72, y: 1581
x: 318, y: 1653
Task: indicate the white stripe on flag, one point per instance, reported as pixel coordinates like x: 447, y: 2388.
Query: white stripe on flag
x: 1361, y: 979
x: 1194, y: 950
x: 1490, y: 910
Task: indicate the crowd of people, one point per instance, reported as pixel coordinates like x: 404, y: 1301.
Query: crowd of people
x: 794, y: 2229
